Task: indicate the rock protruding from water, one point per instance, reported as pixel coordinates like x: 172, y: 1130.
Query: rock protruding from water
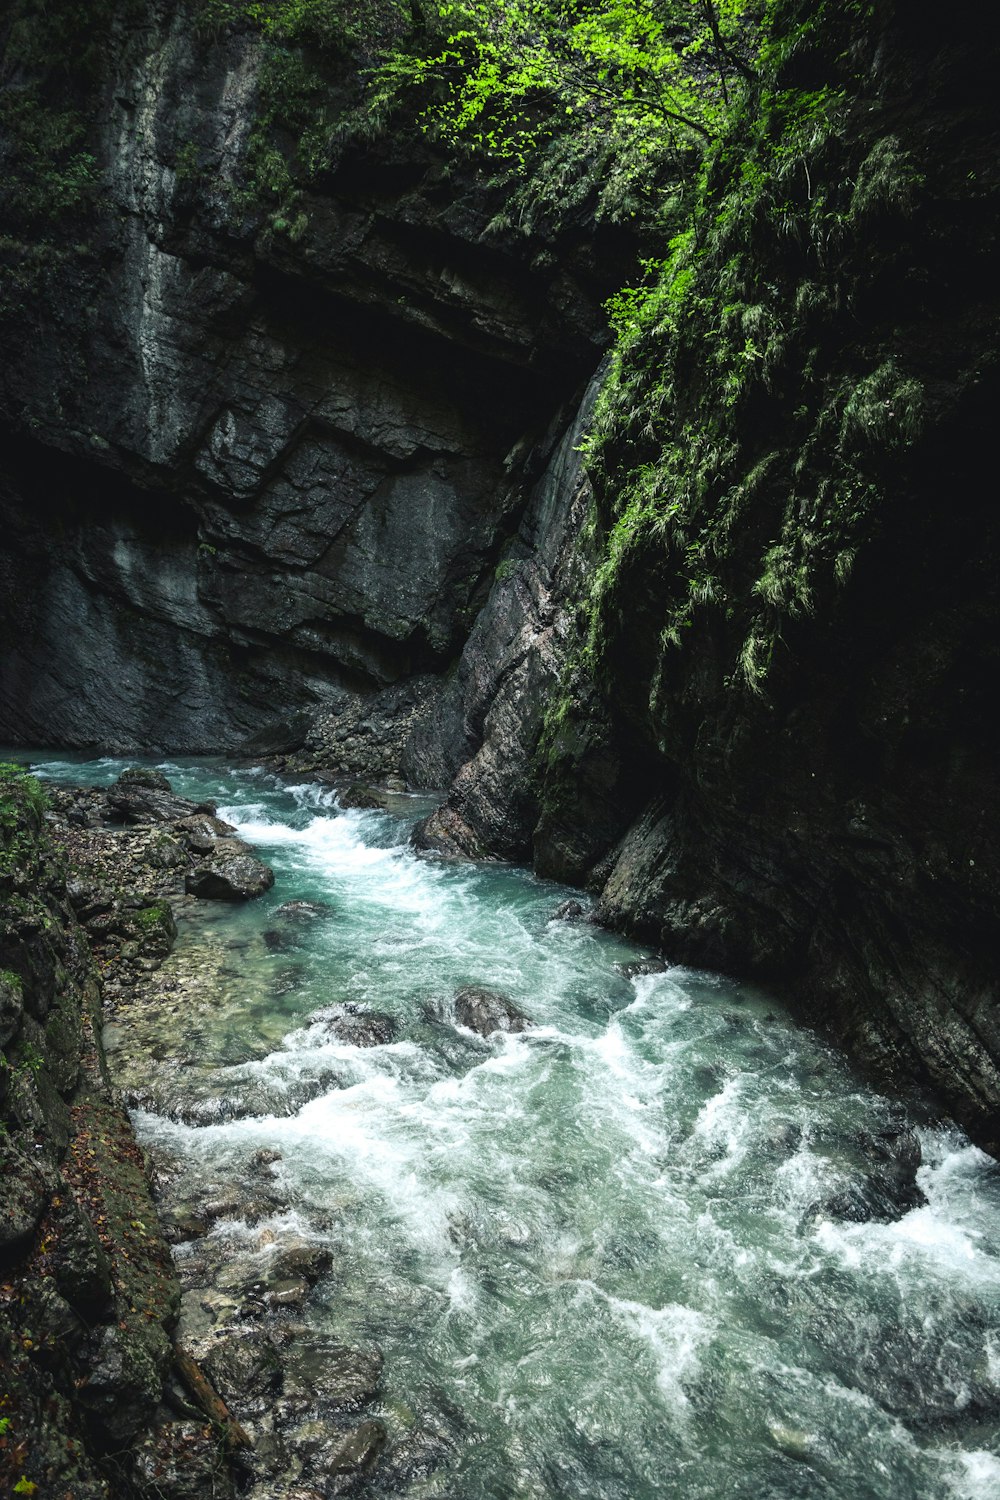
x: 201, y: 832
x: 231, y: 873
x: 569, y: 911
x: 363, y: 797
x: 145, y: 796
x: 487, y: 1011
x: 357, y: 1025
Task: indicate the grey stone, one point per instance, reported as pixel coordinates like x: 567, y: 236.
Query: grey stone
x: 233, y: 873
x: 486, y: 1011
x: 357, y: 1025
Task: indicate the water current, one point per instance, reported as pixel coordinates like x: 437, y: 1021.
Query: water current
x: 616, y: 1257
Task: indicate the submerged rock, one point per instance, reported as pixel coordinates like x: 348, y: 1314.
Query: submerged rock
x: 348, y: 1378
x: 486, y: 1011
x: 355, y: 1455
x: 304, y: 911
x: 414, y: 1458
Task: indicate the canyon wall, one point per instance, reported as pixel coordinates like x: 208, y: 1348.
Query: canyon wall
x: 315, y: 478
x: 254, y: 467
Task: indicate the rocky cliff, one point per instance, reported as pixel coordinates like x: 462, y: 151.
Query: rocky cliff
x: 257, y: 463
x: 308, y: 467
x: 87, y: 1288
x: 765, y: 737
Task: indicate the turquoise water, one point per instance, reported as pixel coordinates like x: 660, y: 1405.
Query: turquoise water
x: 602, y: 1258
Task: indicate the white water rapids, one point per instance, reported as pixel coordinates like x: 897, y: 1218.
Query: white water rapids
x: 606, y: 1259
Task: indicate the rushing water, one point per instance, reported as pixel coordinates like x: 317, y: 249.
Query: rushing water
x: 603, y: 1257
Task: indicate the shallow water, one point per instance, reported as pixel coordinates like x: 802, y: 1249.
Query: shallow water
x: 603, y: 1258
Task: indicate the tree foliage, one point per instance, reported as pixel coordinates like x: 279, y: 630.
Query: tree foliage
x: 506, y: 78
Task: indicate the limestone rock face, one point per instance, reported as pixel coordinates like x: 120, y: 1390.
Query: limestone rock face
x: 284, y: 482
x: 89, y: 1292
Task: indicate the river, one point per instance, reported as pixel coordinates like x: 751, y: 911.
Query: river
x: 625, y: 1254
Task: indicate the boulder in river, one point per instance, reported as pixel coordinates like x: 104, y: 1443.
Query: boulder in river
x: 144, y: 796
x: 310, y: 1262
x: 640, y: 967
x: 359, y: 795
x: 357, y: 1025
x: 568, y: 911
x: 486, y: 1011
x: 233, y: 873
x: 202, y: 831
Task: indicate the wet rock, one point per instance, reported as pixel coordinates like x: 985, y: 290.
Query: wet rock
x: 486, y: 1011
x: 178, y: 1228
x: 27, y: 1188
x: 304, y: 911
x: 141, y: 796
x: 143, y: 778
x: 243, y: 1365
x: 568, y: 911
x: 287, y: 1292
x: 180, y: 1461
x: 234, y: 873
x: 362, y: 797
x: 348, y: 1378
x: 263, y: 1159
x: 201, y: 832
x: 445, y: 832
x: 875, y: 1175
x: 308, y: 1262
x: 784, y: 1138
x: 414, y: 1458
x: 358, y: 1026
x: 354, y: 1456
x: 641, y: 966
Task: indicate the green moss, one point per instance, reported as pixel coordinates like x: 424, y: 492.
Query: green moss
x: 23, y: 804
x: 738, y: 459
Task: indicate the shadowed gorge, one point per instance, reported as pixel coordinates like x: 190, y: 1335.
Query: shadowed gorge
x: 516, y: 477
